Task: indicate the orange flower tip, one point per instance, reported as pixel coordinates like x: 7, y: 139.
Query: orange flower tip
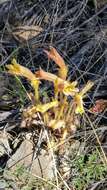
x: 55, y: 56
x: 38, y: 74
x: 41, y: 74
x: 50, y: 54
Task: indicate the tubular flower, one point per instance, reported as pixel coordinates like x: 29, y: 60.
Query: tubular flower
x: 20, y: 70
x: 79, y: 98
x: 41, y: 74
x: 45, y: 107
x: 68, y: 88
x: 54, y: 55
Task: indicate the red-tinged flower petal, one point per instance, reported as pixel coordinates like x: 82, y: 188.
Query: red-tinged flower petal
x: 54, y: 55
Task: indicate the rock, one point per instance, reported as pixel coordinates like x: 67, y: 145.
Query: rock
x: 41, y: 166
x: 4, y: 115
x: 4, y: 144
x: 45, y: 162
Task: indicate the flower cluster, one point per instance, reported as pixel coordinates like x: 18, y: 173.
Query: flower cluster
x: 60, y: 112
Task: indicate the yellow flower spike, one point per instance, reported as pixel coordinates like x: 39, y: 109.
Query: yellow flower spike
x: 40, y: 108
x: 79, y: 98
x: 45, y: 107
x: 54, y: 55
x: 20, y: 70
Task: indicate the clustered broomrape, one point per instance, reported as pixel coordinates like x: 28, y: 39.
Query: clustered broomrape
x: 59, y: 113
